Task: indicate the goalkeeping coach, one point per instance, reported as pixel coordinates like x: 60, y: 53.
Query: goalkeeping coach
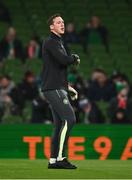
x: 55, y: 88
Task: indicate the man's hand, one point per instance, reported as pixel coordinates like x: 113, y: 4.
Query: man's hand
x: 73, y: 93
x: 76, y: 58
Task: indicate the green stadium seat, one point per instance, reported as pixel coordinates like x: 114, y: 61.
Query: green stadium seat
x: 34, y: 65
x: 14, y: 68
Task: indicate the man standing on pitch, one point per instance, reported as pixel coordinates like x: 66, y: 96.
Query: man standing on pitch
x: 55, y: 89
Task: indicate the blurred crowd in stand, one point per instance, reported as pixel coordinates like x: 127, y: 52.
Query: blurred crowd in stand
x: 102, y: 98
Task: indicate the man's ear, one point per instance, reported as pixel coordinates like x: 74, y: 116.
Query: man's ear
x: 51, y: 27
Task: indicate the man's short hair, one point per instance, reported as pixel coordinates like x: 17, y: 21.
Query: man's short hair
x: 6, y: 76
x: 99, y: 70
x: 51, y: 18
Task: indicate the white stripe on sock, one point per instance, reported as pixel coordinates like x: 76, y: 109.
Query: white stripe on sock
x: 62, y: 140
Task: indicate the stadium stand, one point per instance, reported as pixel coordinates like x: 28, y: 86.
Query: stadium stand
x: 29, y: 17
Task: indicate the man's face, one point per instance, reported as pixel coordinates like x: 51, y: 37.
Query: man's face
x: 70, y: 27
x: 4, y: 82
x: 102, y: 78
x: 11, y: 34
x: 120, y: 115
x: 95, y: 21
x: 58, y: 26
x: 30, y: 79
x: 123, y: 94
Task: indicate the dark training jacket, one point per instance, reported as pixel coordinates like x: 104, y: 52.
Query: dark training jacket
x: 56, y: 61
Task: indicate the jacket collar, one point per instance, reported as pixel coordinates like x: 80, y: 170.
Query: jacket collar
x: 53, y: 35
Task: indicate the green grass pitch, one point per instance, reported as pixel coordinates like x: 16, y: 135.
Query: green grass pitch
x: 88, y: 169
